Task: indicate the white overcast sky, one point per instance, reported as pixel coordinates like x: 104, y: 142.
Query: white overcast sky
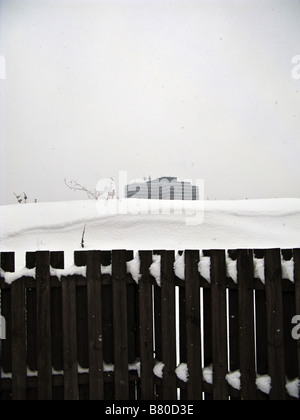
x: 199, y: 89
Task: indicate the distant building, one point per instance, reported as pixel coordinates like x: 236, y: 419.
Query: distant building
x: 165, y: 188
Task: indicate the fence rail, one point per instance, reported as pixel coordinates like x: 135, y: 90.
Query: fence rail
x: 209, y: 325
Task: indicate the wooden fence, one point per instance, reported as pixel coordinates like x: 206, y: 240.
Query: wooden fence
x: 99, y: 334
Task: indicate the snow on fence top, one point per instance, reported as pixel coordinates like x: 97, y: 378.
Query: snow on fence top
x: 134, y: 269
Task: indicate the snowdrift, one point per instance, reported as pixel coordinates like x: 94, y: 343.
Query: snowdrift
x: 174, y: 225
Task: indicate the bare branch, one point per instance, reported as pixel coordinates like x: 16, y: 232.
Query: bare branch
x: 75, y: 186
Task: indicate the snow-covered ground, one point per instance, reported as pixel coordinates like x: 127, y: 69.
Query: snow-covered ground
x: 185, y: 225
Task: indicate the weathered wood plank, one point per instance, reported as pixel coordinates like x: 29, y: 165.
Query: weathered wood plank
x: 146, y: 327
x: 219, y: 324
x: 44, y: 325
x: 168, y: 325
x: 276, y: 356
x: 119, y: 273
x: 193, y: 325
x: 94, y: 295
x: 18, y: 333
x: 246, y: 324
x: 69, y: 339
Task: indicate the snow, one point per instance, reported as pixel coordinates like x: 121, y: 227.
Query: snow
x: 259, y: 269
x: 216, y: 225
x: 208, y: 374
x: 231, y: 266
x: 106, y: 269
x: 204, y: 267
x: 234, y: 379
x: 9, y: 278
x: 293, y: 388
x: 136, y: 366
x: 133, y: 268
x: 158, y: 369
x: 182, y: 372
x: 288, y: 269
x: 264, y: 383
x: 71, y: 271
x: 179, y: 266
x: 155, y: 269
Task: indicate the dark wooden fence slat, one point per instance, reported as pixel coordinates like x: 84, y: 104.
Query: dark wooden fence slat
x: 146, y: 327
x: 233, y: 323
x: 7, y: 264
x: 80, y: 260
x: 44, y: 325
x: 94, y: 293
x: 219, y: 324
x: 31, y: 319
x: 297, y: 296
x: 68, y: 287
x: 182, y: 335
x: 57, y: 262
x: 107, y: 325
x: 168, y: 325
x: 246, y: 324
x: 119, y: 274
x: 158, y: 334
x: 261, y: 328
x: 18, y: 333
x: 193, y: 325
x: 276, y: 355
